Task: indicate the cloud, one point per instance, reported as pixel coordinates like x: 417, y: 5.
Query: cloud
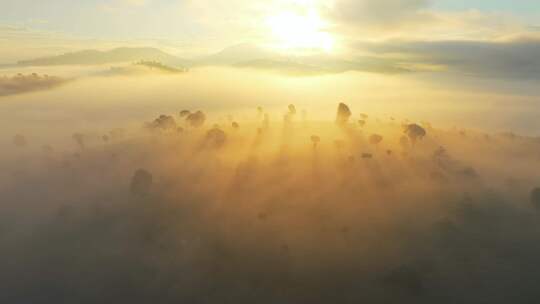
x: 202, y: 27
x: 514, y: 59
x: 379, y: 14
x: 418, y: 19
x: 119, y: 6
x: 136, y: 2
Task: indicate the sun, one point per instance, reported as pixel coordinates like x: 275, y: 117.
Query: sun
x: 294, y: 31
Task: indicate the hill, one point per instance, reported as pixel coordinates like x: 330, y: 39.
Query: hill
x: 91, y: 57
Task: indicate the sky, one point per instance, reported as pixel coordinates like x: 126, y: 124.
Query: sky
x: 519, y: 7
x: 495, y: 42
x: 208, y: 25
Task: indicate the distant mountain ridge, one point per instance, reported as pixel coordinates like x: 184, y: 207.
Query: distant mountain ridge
x: 239, y: 56
x: 231, y: 56
x: 118, y: 55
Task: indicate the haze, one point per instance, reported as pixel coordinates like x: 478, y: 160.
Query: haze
x: 285, y: 151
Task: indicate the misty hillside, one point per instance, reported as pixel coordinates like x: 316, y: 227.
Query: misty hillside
x: 228, y: 56
x: 90, y: 57
x: 241, y: 56
x: 21, y: 83
x: 252, y: 56
x: 142, y: 68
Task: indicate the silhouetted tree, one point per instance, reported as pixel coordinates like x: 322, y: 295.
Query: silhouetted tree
x: 375, y: 139
x: 164, y: 123
x: 343, y: 114
x: 415, y: 132
x: 367, y: 155
x: 292, y: 109
x: 196, y: 119
x: 216, y: 137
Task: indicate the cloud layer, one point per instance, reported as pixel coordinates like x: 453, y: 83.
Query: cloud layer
x: 515, y: 59
x: 379, y: 14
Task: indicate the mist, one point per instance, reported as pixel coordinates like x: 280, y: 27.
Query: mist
x: 130, y: 98
x: 238, y: 186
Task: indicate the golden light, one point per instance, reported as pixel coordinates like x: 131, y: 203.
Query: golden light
x: 295, y: 31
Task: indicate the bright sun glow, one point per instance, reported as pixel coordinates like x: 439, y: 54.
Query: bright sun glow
x: 294, y: 31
